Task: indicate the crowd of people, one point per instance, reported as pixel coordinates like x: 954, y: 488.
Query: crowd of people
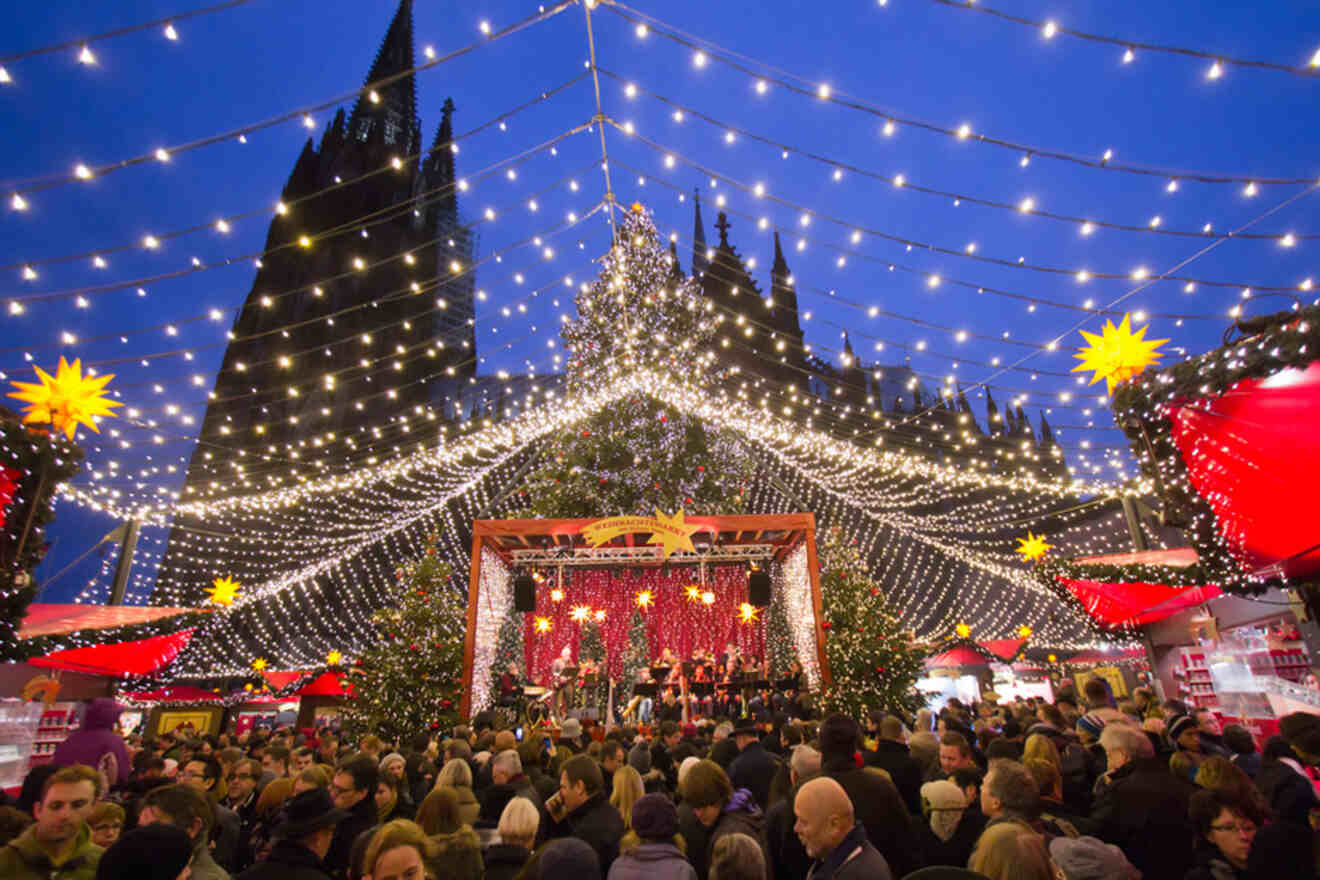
x: 1084, y: 787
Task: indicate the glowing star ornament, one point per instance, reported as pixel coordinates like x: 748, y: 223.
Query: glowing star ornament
x: 1033, y: 547
x: 645, y: 599
x: 65, y: 400
x: 693, y: 593
x: 599, y: 615
x: 708, y: 598
x: 637, y: 208
x: 556, y: 595
x: 334, y: 658
x: 963, y: 630
x: 1117, y: 354
x: 1024, y: 632
x: 747, y: 612
x: 224, y: 591
x: 542, y: 625
x: 259, y: 664
x: 580, y: 613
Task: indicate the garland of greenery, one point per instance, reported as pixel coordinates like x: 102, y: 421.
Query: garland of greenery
x: 1141, y: 406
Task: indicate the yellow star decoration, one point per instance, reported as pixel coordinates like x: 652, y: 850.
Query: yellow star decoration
x: 963, y: 630
x: 259, y: 664
x: 675, y: 534
x: 333, y: 658
x: 556, y: 595
x: 66, y: 399
x: 1117, y: 354
x: 225, y: 591
x: 1033, y: 547
x: 580, y: 613
x: 1053, y: 658
x: 645, y: 599
x: 708, y: 598
x: 543, y: 624
x: 747, y: 612
x: 693, y: 593
x: 599, y: 615
x: 1024, y: 632
x: 637, y: 208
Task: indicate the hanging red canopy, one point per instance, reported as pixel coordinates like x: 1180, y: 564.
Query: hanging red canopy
x: 138, y: 658
x: 1253, y: 453
x: 46, y: 618
x: 327, y: 684
x: 1134, y: 603
x: 1004, y: 649
x: 956, y: 657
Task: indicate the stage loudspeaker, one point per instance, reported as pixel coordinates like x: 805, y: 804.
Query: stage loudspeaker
x: 758, y: 588
x: 524, y: 593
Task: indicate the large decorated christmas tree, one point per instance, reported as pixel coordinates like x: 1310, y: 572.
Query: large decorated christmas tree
x: 872, y: 663
x: 639, y: 455
x: 411, y: 681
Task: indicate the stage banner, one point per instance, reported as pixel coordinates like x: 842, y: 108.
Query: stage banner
x: 670, y: 532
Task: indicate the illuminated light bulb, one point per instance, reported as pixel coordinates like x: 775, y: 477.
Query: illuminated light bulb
x: 630, y: 90
x: 1088, y: 227
x: 964, y: 131
x: 971, y: 247
x: 4, y: 76
x: 1250, y: 189
x: 1189, y: 287
x: 1140, y: 273
x: 678, y: 115
x: 802, y: 244
x: 29, y: 274
x: 83, y: 303
x: 729, y: 137
x: 856, y: 236
x: 304, y: 241
x: 359, y: 263
x: 222, y: 226
x: 82, y: 172
x: 1129, y: 56
x: 455, y: 266
x: 933, y: 281
x: 86, y: 56
x: 162, y: 155
x: 1049, y: 30
x: 899, y: 180
x: 15, y: 308
x: 216, y: 314
x: 18, y: 203
x: 1024, y: 161
x: 889, y: 128
x: 641, y: 31
x: 1027, y: 205
x: 1306, y: 284
x: 99, y: 262
x: 170, y: 32
x: 281, y: 208
x: 462, y: 184
x: 838, y: 174
x: 1084, y: 276
x: 397, y: 163
x: 1139, y: 316
x: 429, y: 52
x: 823, y: 91
x: 409, y: 259
x: 1155, y: 221
x: 533, y: 206
x: 805, y: 219
x: 1288, y: 240
x: 759, y: 190
x: 151, y: 242
x: 1109, y: 154
x: 308, y: 121
x: 762, y: 87
x: 699, y: 59
x: 484, y: 27
x: 1215, y: 72
x: 68, y: 338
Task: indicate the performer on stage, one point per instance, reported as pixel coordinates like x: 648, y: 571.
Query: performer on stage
x: 563, y: 684
x: 639, y: 707
x: 511, y: 686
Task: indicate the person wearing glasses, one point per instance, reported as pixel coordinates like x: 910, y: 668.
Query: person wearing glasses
x: 242, y: 799
x: 202, y: 774
x: 1226, y: 827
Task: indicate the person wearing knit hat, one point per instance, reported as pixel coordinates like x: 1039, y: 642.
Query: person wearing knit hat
x: 1089, y: 727
x: 650, y: 851
x: 568, y: 857
x: 1087, y: 858
x: 570, y: 735
x: 949, y: 834
x: 1184, y: 734
x: 639, y: 758
x: 151, y: 852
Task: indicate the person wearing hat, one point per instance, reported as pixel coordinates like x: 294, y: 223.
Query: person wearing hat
x: 1186, y: 737
x: 754, y: 768
x: 152, y: 852
x: 639, y: 758
x: 652, y: 850
x: 570, y: 736
x: 949, y: 834
x: 303, y: 840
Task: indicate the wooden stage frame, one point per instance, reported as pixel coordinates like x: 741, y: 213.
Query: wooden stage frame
x: 779, y: 534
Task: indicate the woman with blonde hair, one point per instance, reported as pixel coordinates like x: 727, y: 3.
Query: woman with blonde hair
x: 1012, y: 851
x: 627, y: 789
x: 1041, y: 748
x: 399, y: 849
x: 457, y: 774
x: 518, y: 826
x: 1220, y: 774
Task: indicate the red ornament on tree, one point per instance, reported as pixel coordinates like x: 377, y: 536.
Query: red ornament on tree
x: 413, y: 646
x: 701, y: 469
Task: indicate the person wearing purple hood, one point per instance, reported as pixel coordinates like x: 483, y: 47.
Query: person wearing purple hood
x: 720, y: 808
x: 96, y: 744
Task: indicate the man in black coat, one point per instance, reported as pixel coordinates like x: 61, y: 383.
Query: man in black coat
x: 580, y: 810
x: 304, y: 840
x: 786, y: 857
x: 353, y: 789
x: 1284, y: 783
x: 754, y: 768
x: 892, y: 756
x: 878, y: 805
x: 1143, y: 809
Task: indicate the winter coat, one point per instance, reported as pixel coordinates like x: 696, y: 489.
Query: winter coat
x: 740, y: 816
x: 1248, y: 764
x: 360, y: 818
x: 457, y: 856
x: 853, y: 859
x: 1291, y: 796
x: 1144, y: 812
x: 1211, y: 865
x: 724, y: 753
x: 879, y: 807
x: 24, y: 859
x: 754, y: 769
x: 96, y: 744
x: 905, y: 771
x: 785, y: 855
x: 497, y: 797
x: 504, y: 861
x: 696, y: 837
x: 228, y: 835
x: 468, y: 805
x: 595, y: 822
x: 288, y: 860
x: 204, y: 867
x: 653, y: 860
x: 957, y: 850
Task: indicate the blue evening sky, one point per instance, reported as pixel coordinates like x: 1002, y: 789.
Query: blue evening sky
x: 915, y: 59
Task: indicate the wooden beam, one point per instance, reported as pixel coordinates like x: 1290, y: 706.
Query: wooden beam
x: 470, y: 638
x: 813, y: 572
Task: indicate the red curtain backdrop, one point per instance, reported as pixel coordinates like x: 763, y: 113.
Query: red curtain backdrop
x: 673, y: 621
x: 1252, y: 454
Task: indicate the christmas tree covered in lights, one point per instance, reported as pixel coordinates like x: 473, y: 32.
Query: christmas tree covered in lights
x: 639, y: 455
x: 872, y: 664
x: 411, y: 681
x: 510, y: 646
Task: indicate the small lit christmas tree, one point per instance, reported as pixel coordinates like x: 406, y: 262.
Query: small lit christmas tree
x: 638, y: 655
x: 639, y: 455
x: 411, y: 681
x: 778, y: 636
x: 872, y: 664
x: 510, y: 646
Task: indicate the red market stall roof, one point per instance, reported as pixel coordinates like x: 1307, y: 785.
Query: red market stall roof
x: 1136, y: 603
x: 138, y: 658
x: 956, y: 657
x: 46, y: 619
x: 328, y: 684
x: 1102, y: 657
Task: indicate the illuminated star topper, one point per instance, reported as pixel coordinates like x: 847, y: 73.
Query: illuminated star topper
x: 580, y: 613
x: 1033, y: 547
x: 333, y: 658
x: 645, y: 599
x: 259, y: 664
x: 747, y: 612
x: 66, y: 399
x: 543, y: 625
x: 225, y: 591
x: 1117, y: 354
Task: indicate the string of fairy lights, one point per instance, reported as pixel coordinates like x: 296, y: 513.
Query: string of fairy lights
x: 330, y: 520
